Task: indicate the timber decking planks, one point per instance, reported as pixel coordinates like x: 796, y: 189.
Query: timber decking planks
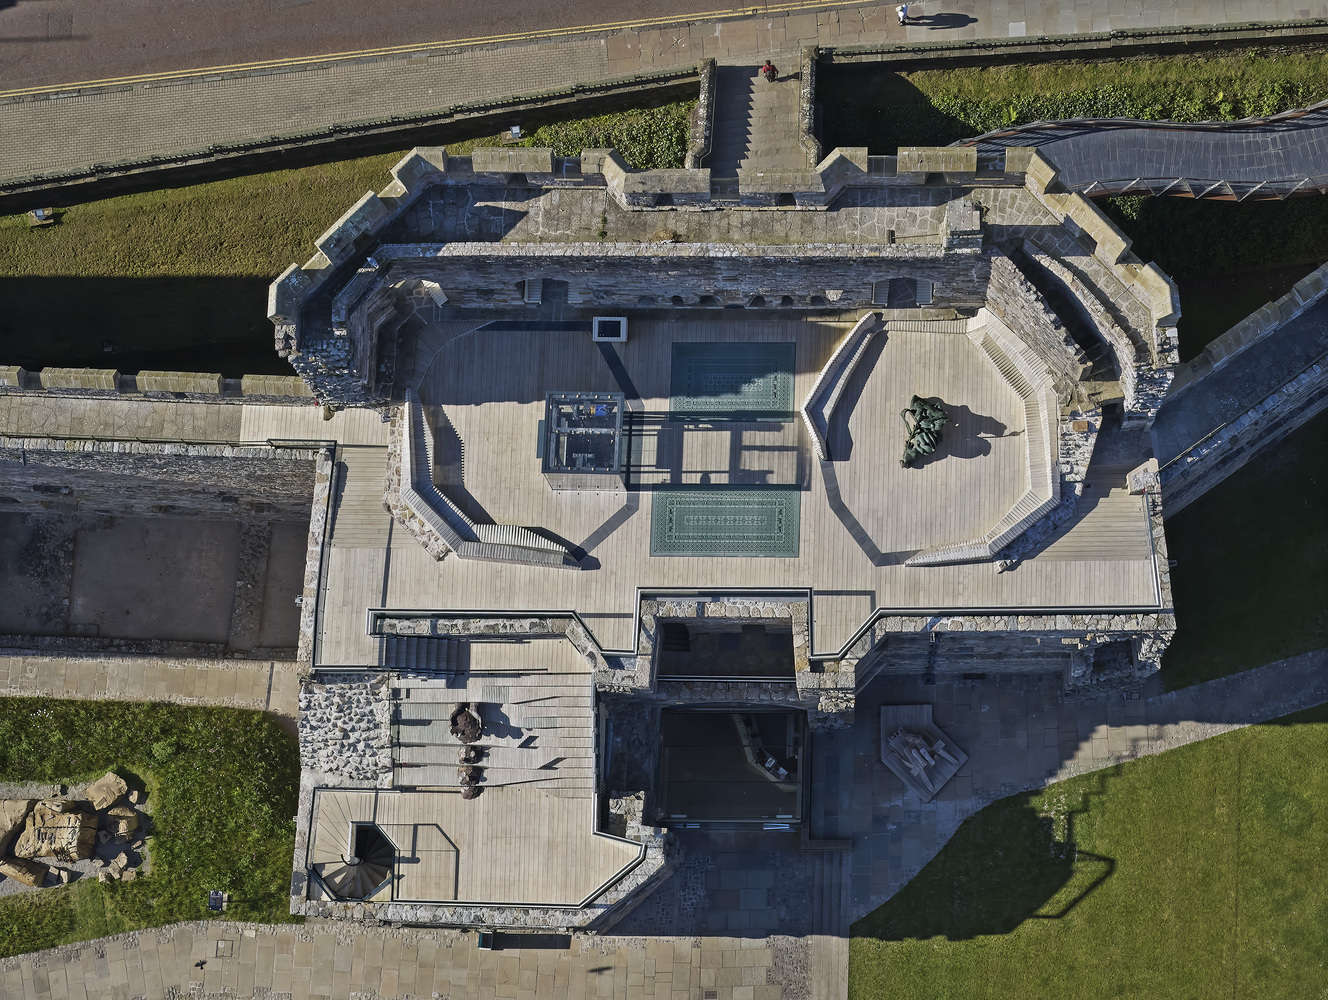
x: 1103, y: 560
x: 503, y: 840
x: 351, y: 426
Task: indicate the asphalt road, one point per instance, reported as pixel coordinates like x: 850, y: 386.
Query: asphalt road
x: 45, y: 42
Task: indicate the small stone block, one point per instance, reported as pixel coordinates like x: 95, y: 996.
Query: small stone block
x: 106, y: 790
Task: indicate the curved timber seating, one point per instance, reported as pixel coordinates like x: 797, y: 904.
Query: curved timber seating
x: 492, y: 542
x: 819, y: 407
x: 1029, y: 378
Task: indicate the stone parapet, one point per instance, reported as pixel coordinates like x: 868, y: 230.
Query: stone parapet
x: 954, y: 164
x: 1255, y: 327
x: 808, y: 129
x: 95, y: 381
x: 191, y: 383
x: 1197, y: 470
x: 1146, y: 283
x: 325, y: 475
x: 1014, y: 643
x: 210, y: 386
x: 1022, y: 308
x: 134, y: 478
x: 702, y: 123
x: 535, y: 166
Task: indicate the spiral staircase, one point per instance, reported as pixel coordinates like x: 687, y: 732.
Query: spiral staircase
x: 364, y: 868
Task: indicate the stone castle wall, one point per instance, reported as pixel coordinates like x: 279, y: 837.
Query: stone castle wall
x: 135, y: 479
x: 1197, y: 471
x: 1021, y: 307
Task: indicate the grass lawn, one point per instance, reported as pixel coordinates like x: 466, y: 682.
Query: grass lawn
x: 177, y: 278
x: 873, y: 107
x: 222, y: 787
x: 1187, y: 875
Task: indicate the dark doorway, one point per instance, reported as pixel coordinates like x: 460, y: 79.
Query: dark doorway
x: 732, y: 766
x: 740, y: 651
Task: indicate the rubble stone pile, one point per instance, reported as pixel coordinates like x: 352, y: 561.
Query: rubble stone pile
x: 105, y: 818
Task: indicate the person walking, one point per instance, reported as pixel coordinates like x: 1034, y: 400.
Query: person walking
x: 769, y: 72
x: 902, y: 11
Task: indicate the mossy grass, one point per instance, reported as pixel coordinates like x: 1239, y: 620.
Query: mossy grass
x: 1182, y: 875
x: 177, y: 278
x: 221, y: 788
x: 258, y: 224
x: 870, y: 107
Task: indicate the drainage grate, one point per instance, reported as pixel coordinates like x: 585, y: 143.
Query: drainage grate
x: 60, y: 24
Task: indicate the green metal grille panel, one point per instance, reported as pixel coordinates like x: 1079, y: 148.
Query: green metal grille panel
x: 729, y: 381
x: 759, y: 522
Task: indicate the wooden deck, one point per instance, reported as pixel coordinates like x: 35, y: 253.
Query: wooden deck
x: 492, y: 849
x: 862, y: 515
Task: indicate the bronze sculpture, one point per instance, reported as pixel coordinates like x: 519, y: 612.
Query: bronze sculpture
x: 924, y: 433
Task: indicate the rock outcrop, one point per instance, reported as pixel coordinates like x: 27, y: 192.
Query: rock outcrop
x: 60, y: 829
x: 13, y: 814
x: 30, y: 873
x: 106, y: 790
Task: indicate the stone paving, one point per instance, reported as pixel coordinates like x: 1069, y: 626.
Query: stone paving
x: 268, y: 685
x: 227, y: 959
x: 1021, y: 733
x: 60, y: 131
x: 756, y: 121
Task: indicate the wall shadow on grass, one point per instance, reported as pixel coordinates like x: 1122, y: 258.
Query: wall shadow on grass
x: 1005, y: 865
x: 201, y: 323
x: 867, y: 105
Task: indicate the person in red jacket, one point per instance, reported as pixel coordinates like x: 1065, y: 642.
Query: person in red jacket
x: 769, y: 71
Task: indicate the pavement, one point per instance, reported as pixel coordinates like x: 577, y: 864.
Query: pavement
x: 65, y: 128
x: 239, y: 960
x: 1018, y: 731
x: 266, y: 685
x: 1021, y: 732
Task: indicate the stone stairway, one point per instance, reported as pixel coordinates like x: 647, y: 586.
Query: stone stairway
x: 829, y: 936
x: 420, y: 655
x: 537, y: 731
x: 756, y: 123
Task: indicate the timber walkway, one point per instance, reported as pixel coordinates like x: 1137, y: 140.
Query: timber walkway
x: 1274, y: 157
